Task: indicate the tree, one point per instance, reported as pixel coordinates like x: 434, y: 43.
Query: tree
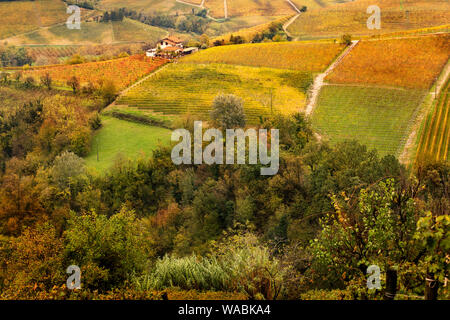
x: 378, y: 228
x: 74, y: 84
x: 36, y: 262
x: 346, y: 39
x: 228, y: 111
x: 66, y: 168
x: 46, y: 81
x: 108, y: 91
x: 108, y: 250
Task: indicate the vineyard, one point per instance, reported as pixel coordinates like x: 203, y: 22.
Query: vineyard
x: 351, y: 17
x: 302, y: 56
x: 379, y: 118
x: 258, y: 7
x: 249, y: 33
x: 92, y: 33
x: 123, y: 72
x: 52, y: 51
x: 435, y: 138
x: 409, y: 63
x: 18, y: 17
x: 191, y: 88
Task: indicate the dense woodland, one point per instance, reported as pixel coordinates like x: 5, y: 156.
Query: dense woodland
x: 147, y: 225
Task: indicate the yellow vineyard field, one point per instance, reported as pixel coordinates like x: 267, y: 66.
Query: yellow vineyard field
x: 303, y: 56
x: 351, y: 17
x: 409, y: 63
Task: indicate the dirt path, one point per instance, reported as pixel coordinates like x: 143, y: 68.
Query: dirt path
x: 410, y: 144
x: 288, y: 23
x: 293, y: 6
x: 319, y: 80
x: 201, y: 6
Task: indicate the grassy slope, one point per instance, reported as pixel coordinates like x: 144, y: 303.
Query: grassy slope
x: 191, y: 88
x: 123, y: 138
x: 377, y: 117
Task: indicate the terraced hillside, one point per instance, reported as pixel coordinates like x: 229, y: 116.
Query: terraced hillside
x: 377, y: 117
x: 302, y: 56
x: 351, y: 17
x: 123, y: 72
x: 190, y: 88
x: 435, y: 138
x: 378, y: 90
x: 410, y: 63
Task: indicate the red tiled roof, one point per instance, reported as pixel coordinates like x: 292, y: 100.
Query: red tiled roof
x: 173, y: 39
x: 171, y: 49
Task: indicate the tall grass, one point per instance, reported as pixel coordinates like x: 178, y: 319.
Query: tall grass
x: 242, y: 265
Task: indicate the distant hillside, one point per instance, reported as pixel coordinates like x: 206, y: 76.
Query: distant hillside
x: 22, y: 16
x: 92, y: 33
x: 351, y: 17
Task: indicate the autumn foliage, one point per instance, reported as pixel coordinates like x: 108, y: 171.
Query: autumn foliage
x: 409, y: 63
x: 122, y: 72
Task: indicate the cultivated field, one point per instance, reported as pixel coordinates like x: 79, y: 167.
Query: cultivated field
x: 147, y: 6
x: 93, y: 33
x: 23, y: 16
x: 303, y: 56
x: 128, y: 140
x: 191, y: 88
x: 409, y: 63
x: 435, y: 138
x: 123, y: 72
x: 351, y: 17
x: 51, y: 51
x: 249, y: 33
x: 258, y: 7
x: 379, y: 118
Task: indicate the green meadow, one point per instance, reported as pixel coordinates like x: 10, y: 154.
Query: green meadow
x: 123, y: 139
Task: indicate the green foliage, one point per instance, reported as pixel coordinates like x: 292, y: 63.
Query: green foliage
x: 433, y: 233
x: 108, y: 250
x: 238, y: 264
x: 378, y: 230
x: 228, y: 111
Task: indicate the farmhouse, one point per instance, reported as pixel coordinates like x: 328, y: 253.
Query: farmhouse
x: 170, y: 41
x: 169, y: 47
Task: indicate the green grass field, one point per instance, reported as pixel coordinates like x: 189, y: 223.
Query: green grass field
x: 119, y: 138
x: 377, y: 117
x: 191, y: 88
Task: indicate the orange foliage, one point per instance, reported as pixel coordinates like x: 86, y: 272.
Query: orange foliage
x: 409, y: 63
x: 122, y: 72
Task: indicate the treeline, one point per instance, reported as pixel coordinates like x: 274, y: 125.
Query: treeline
x: 86, y: 4
x: 11, y: 56
x: 196, y: 22
x: 148, y: 224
